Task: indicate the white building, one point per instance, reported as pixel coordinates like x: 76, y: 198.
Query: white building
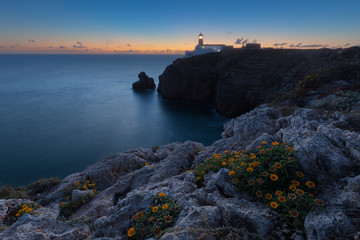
x: 202, y: 48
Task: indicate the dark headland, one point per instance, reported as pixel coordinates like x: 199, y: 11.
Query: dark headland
x: 287, y: 166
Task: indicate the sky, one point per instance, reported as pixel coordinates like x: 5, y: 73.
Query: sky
x: 139, y: 26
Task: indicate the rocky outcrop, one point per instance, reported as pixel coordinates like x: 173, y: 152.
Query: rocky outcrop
x: 328, y: 154
x: 237, y: 82
x: 144, y: 82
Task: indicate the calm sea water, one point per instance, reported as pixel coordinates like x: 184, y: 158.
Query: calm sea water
x: 60, y: 113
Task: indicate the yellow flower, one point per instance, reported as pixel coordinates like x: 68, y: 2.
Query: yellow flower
x: 262, y: 151
x: 154, y: 209
x: 278, y: 192
x: 310, y: 184
x: 311, y: 195
x: 278, y: 165
x: 256, y: 163
x: 249, y: 169
x: 252, y: 154
x: 300, y: 192
x: 253, y: 157
x: 292, y: 187
x: 24, y: 206
x: 251, y: 165
x: 226, y: 151
x: 235, y: 181
x: 231, y: 159
x: 243, y: 164
x: 140, y: 214
x: 319, y: 202
x: 268, y: 196
x: 198, y: 178
x: 282, y: 199
x: 147, y: 163
x: 259, y: 147
x: 293, y: 213
x: 237, y: 156
x: 40, y: 212
x: 152, y: 167
x: 161, y: 194
x: 131, y: 232
x: 18, y: 214
x: 165, y: 206
x: 231, y: 173
x: 29, y: 210
x: 274, y: 204
x: 295, y: 183
x: 61, y: 203
x: 223, y: 163
x: 274, y: 177
x: 259, y: 194
x: 290, y: 149
x: 300, y: 174
x: 263, y: 142
x: 275, y: 143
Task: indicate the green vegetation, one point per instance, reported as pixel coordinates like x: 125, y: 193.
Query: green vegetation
x: 161, y: 215
x: 271, y: 174
x: 70, y: 206
x: 38, y: 187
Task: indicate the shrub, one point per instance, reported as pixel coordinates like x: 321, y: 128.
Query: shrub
x: 271, y: 174
x: 22, y: 209
x: 162, y: 214
x: 155, y: 148
x: 7, y: 192
x: 42, y: 185
x: 70, y: 206
x: 67, y: 209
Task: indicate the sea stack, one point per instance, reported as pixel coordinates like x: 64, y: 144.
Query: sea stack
x: 144, y: 82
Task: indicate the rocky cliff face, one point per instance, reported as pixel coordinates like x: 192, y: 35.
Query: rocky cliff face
x: 126, y: 184
x: 237, y: 82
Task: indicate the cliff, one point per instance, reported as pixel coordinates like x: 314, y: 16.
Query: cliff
x: 238, y: 81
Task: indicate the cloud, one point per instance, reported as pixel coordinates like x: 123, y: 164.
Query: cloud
x: 312, y: 46
x: 78, y: 43
x: 245, y: 41
x: 2, y: 46
x: 292, y: 45
x: 129, y: 45
x: 229, y: 32
x: 78, y: 46
x: 50, y: 47
x: 31, y: 40
x: 348, y: 44
x: 280, y: 44
x: 238, y: 41
x: 62, y: 46
x: 254, y: 41
x: 14, y: 46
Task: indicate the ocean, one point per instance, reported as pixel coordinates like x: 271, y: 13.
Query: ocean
x: 61, y: 113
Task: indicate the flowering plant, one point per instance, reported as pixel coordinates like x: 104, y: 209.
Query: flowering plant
x: 271, y: 174
x: 69, y: 206
x: 162, y: 214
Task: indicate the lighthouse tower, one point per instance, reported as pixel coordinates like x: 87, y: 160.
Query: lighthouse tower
x: 201, y: 40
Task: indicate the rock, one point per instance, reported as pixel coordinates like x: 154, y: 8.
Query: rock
x: 327, y: 225
x: 144, y: 82
x: 76, y: 194
x: 236, y: 83
x: 30, y: 227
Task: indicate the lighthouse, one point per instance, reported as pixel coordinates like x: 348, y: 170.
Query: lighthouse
x: 201, y: 40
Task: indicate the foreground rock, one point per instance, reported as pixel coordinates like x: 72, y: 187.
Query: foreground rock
x: 144, y: 82
x: 215, y: 211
